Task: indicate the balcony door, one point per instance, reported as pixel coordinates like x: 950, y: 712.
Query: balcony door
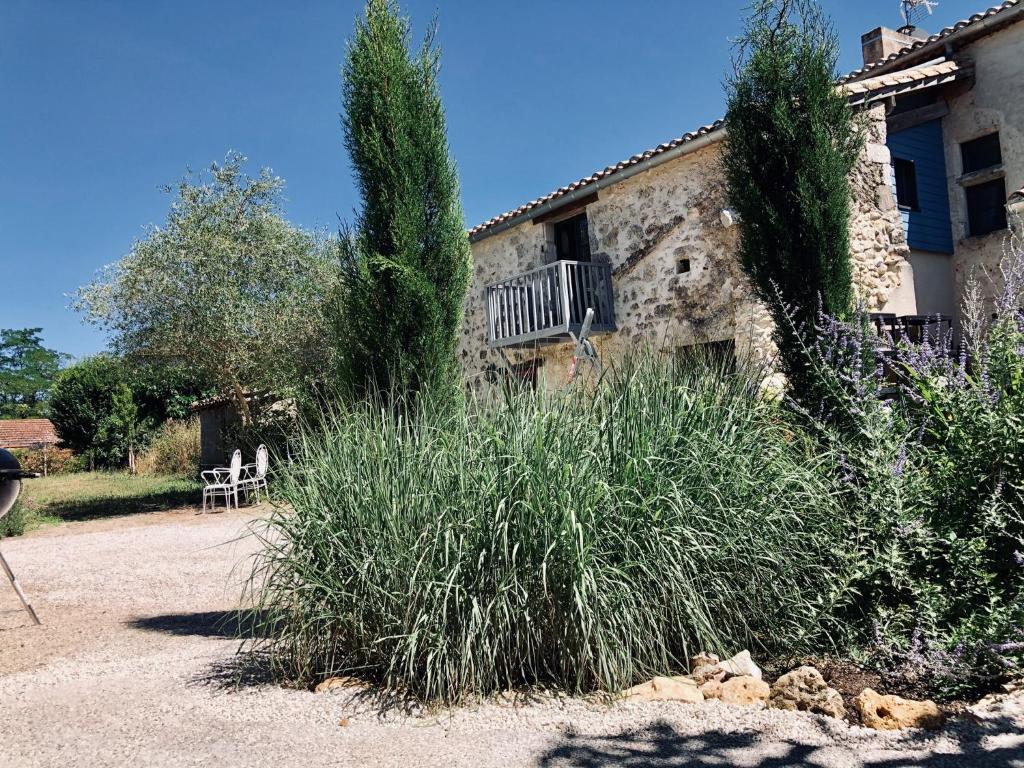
x: 572, y: 238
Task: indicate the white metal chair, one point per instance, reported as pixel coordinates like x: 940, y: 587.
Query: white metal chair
x: 223, y: 481
x: 254, y: 476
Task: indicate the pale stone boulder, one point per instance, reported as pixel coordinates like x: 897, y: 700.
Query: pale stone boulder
x: 741, y: 664
x: 712, y: 689
x: 707, y: 667
x: 892, y: 713
x: 743, y: 690
x: 1006, y: 705
x: 682, y: 689
x: 804, y: 690
x: 709, y: 673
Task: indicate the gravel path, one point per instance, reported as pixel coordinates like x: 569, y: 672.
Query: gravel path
x: 129, y: 669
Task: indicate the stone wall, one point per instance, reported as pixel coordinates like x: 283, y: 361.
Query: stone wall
x: 882, y: 274
x: 647, y: 225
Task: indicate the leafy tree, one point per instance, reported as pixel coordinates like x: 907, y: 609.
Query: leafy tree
x: 166, y: 391
x: 226, y: 288
x: 792, y: 142
x: 27, y: 369
x: 107, y: 409
x: 89, y: 408
x: 408, y: 259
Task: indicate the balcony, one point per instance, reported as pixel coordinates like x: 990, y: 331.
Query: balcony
x: 548, y: 303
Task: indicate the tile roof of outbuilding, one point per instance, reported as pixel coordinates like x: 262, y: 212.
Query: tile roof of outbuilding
x: 26, y: 433
x: 860, y: 82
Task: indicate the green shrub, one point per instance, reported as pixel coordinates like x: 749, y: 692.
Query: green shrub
x: 175, y: 450
x: 14, y: 522
x: 48, y: 461
x: 586, y: 539
x: 106, y: 408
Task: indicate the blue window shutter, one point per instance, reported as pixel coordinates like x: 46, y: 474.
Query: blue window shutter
x: 929, y: 228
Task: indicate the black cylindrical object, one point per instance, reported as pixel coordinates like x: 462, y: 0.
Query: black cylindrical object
x: 10, y: 480
x: 11, y: 475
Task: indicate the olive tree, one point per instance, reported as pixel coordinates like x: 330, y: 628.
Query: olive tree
x: 226, y: 287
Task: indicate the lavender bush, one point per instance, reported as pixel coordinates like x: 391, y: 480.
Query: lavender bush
x: 929, y: 453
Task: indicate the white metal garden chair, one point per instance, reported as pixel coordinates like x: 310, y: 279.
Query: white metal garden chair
x: 223, y: 481
x: 254, y: 476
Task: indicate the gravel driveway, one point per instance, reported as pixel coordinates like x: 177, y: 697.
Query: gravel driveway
x: 130, y: 664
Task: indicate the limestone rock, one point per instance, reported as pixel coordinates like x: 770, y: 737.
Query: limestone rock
x: 708, y: 673
x: 743, y: 690
x: 741, y: 664
x: 666, y: 689
x: 997, y: 706
x: 879, y: 153
x: 711, y: 668
x: 336, y: 682
x: 804, y: 690
x: 703, y: 660
x: 891, y: 713
x: 712, y: 689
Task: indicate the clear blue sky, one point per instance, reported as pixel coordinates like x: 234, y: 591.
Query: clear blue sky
x: 102, y: 101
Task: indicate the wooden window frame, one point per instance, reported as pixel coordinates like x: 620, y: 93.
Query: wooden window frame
x: 905, y: 178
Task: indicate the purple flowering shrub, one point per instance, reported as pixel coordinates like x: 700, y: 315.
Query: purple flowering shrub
x: 928, y: 447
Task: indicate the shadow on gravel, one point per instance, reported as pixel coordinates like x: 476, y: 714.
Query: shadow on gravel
x: 82, y: 510
x: 243, y: 670
x: 661, y: 746
x: 237, y: 624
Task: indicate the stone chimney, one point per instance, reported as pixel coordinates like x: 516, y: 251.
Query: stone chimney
x: 882, y: 42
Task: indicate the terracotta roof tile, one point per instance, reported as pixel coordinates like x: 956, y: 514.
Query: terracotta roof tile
x: 26, y: 433
x: 904, y: 80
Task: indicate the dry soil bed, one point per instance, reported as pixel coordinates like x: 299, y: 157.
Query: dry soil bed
x: 130, y: 665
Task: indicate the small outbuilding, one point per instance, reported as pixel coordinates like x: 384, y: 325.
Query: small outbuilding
x: 30, y: 434
x: 218, y: 416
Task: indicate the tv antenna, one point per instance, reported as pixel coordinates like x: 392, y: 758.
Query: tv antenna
x: 914, y: 11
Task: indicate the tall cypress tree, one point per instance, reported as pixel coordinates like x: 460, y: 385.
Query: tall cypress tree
x: 408, y: 256
x: 792, y: 141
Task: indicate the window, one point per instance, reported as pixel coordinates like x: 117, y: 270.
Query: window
x: 906, y: 184
x: 981, y: 153
x: 986, y: 207
x: 572, y: 239
x: 986, y: 199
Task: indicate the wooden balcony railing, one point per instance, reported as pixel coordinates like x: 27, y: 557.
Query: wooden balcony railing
x: 549, y: 303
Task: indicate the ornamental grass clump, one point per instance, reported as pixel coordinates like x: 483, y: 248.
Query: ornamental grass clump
x: 585, y: 540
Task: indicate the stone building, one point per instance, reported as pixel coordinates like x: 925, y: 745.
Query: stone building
x: 650, y: 246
